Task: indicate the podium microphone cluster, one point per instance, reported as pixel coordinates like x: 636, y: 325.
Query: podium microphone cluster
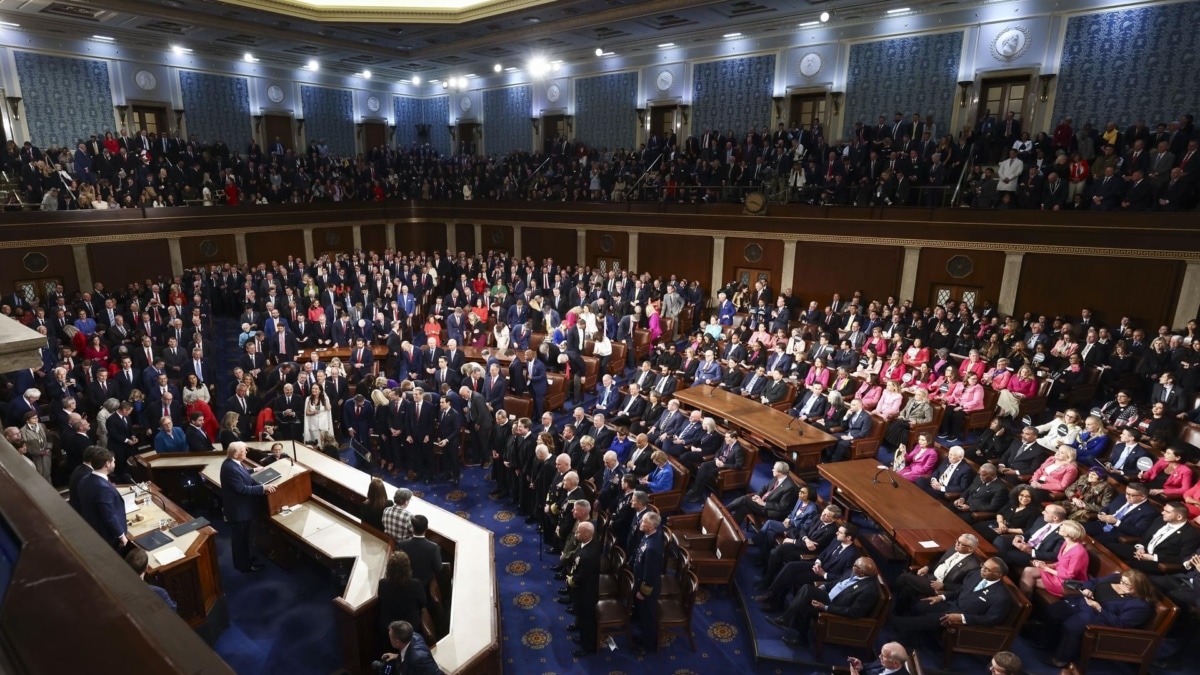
x: 885, y: 468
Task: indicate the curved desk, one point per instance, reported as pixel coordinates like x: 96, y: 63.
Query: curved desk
x: 472, y: 646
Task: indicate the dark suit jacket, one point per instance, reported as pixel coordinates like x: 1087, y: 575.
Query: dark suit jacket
x: 960, y: 480
x: 775, y: 392
x: 197, y: 440
x: 818, y: 408
x: 955, y: 575
x: 856, y: 600
x: 1133, y: 524
x: 1028, y: 462
x: 986, y: 496
x: 1176, y: 547
x: 418, y: 660
x: 636, y: 408
x: 425, y: 555
x: 779, y: 502
x: 1048, y: 548
x: 102, y: 507
x: 238, y: 491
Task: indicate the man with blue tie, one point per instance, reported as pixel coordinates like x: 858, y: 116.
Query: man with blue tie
x: 535, y: 380
x: 853, y: 596
x: 1128, y: 515
x: 99, y: 502
x: 982, y: 600
x: 238, y: 491
x: 688, y: 436
x: 728, y: 458
x: 832, y: 563
x: 858, y: 425
x: 607, y: 396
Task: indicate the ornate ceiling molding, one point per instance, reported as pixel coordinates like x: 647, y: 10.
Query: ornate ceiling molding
x: 399, y: 11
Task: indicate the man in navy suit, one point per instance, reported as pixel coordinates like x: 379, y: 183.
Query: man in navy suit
x: 238, y: 491
x: 952, y: 475
x: 1128, y: 515
x: 858, y: 425
x: 420, y: 428
x: 607, y: 396
x: 1041, y: 540
x: 1168, y: 541
x: 358, y: 414
x: 853, y: 596
x: 834, y: 561
x: 361, y: 361
x: 412, y: 656
x: 1124, y: 456
x: 535, y: 380
x: 811, y: 405
x: 730, y: 457
x: 449, y: 436
x: 99, y: 502
x: 631, y: 407
x: 647, y: 574
x: 982, y: 600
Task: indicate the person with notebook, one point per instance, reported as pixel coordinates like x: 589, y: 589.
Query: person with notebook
x: 238, y: 490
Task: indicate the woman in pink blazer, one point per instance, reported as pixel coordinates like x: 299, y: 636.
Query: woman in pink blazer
x: 997, y: 378
x: 818, y: 373
x: 1056, y: 474
x: 946, y: 388
x: 921, y: 460
x: 1072, y: 564
x: 964, y: 398
x: 876, y: 343
x: 890, y: 401
x: 1169, y: 476
x: 973, y: 364
x: 869, y: 392
x: 916, y: 354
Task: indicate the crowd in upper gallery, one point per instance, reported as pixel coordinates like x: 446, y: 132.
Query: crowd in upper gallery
x: 904, y: 161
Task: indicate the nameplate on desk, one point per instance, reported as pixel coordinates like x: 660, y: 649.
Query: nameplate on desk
x: 266, y: 476
x: 153, y: 540
x: 194, y: 524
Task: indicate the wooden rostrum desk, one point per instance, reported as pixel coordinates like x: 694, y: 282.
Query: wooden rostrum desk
x: 324, y: 495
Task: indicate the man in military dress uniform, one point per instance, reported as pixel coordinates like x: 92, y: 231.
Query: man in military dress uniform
x: 647, y: 581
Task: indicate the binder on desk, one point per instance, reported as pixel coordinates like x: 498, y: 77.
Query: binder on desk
x: 265, y: 476
x: 152, y: 540
x: 193, y: 524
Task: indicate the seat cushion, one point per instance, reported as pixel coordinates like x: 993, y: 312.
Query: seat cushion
x: 610, y: 611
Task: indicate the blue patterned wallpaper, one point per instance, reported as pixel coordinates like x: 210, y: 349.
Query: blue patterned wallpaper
x: 409, y: 112
x: 917, y: 74
x: 605, y: 108
x: 506, y: 119
x: 329, y: 115
x: 733, y: 94
x: 437, y: 116
x: 1128, y: 65
x: 65, y: 99
x: 217, y: 107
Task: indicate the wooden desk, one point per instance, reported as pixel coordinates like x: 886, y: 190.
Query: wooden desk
x: 472, y: 646
x: 905, y: 512
x: 475, y: 355
x: 192, y: 581
x: 800, y: 446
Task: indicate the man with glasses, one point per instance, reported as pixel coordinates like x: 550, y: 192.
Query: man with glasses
x: 852, y: 596
x: 892, y: 657
x: 982, y: 600
x: 944, y: 576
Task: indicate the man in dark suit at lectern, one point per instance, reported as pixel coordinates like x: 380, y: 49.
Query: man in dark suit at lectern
x: 238, y: 490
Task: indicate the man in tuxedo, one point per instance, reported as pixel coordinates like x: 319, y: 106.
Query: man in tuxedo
x: 853, y: 596
x: 1168, y: 542
x: 981, y: 600
x: 774, y: 501
x: 412, y: 655
x: 100, y: 503
x: 944, y: 576
x: 1128, y: 515
x: 238, y: 492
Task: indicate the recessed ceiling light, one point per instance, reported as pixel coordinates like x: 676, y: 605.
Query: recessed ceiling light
x: 180, y: 50
x: 103, y: 38
x: 445, y: 84
x: 497, y: 68
x: 416, y: 79
x: 249, y: 58
x: 599, y: 51
x: 9, y: 24
x: 900, y: 10
x: 824, y: 17
x: 666, y: 45
x: 510, y: 69
x: 731, y: 35
x: 314, y: 65
x: 366, y: 74
x: 806, y: 24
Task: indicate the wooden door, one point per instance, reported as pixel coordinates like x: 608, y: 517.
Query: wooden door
x: 940, y: 294
x: 662, y: 120
x: 1002, y: 96
x: 554, y: 127
x: 151, y: 118
x: 607, y: 264
x: 37, y: 289
x: 278, y: 127
x: 804, y: 108
x: 467, y: 137
x: 374, y: 135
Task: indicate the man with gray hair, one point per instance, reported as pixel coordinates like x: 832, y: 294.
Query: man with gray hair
x: 774, y: 501
x: 581, y: 512
x: 238, y: 492
x: 943, y: 576
x: 397, y: 520
x: 892, y: 658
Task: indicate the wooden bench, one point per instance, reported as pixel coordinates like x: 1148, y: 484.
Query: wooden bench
x: 714, y: 541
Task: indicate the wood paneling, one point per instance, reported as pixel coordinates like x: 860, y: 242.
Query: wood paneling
x: 735, y: 257
x: 540, y: 243
x: 267, y: 246
x: 464, y: 233
x: 497, y: 238
x: 60, y: 265
x: 824, y: 269
x: 333, y: 239
x: 427, y: 237
x: 192, y: 252
x: 988, y: 270
x: 122, y: 262
x: 596, y: 242
x: 685, y: 256
x: 1145, y: 290
x: 374, y: 238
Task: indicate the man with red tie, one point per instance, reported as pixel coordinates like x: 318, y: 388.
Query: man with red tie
x: 362, y: 361
x: 774, y: 500
x: 358, y: 414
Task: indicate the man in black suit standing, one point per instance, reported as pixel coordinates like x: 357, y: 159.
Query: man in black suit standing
x: 854, y: 596
x: 944, y: 576
x: 122, y: 441
x: 288, y: 409
x: 238, y: 491
x: 982, y: 600
x: 425, y: 555
x: 420, y: 428
x: 449, y: 435
x: 583, y: 587
x: 647, y: 568
x: 99, y: 502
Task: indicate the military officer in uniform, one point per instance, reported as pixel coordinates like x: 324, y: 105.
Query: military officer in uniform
x: 583, y: 587
x: 647, y: 581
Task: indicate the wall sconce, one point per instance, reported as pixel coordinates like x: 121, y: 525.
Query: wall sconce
x: 836, y: 98
x: 1045, y: 80
x: 534, y: 121
x: 641, y: 115
x: 14, y: 106
x: 122, y: 109
x: 963, y: 88
x: 684, y: 109
x: 570, y: 120
x: 778, y: 105
x: 178, y: 118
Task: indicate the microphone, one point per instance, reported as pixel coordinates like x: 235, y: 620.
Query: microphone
x: 293, y: 457
x: 885, y: 468
x: 712, y: 390
x: 791, y: 421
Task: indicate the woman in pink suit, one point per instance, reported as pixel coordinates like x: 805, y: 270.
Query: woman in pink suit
x: 894, y: 369
x: 890, y: 401
x: 655, y: 324
x: 1169, y: 476
x: 818, y: 373
x: 997, y: 378
x: 973, y: 364
x: 876, y: 343
x: 870, y: 391
x: 1072, y: 564
x: 966, y: 397
x: 916, y: 354
x: 921, y: 460
x: 1056, y: 474
x: 947, y: 387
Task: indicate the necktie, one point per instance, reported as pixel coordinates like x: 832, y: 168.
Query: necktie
x: 1163, y: 532
x: 199, y: 371
x: 981, y: 585
x: 946, y: 474
x: 1118, y: 515
x: 841, y: 586
x: 1040, y: 535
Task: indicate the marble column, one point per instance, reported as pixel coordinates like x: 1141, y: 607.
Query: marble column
x: 908, y: 274
x: 479, y: 239
x: 788, y: 273
x: 357, y: 230
x: 239, y: 241
x: 310, y: 251
x: 718, y: 264
x: 83, y: 268
x: 1009, y: 282
x: 1189, y: 296
x: 633, y: 251
x: 580, y: 247
x: 176, y: 256
x: 516, y: 242
x: 451, y: 237
x: 389, y: 235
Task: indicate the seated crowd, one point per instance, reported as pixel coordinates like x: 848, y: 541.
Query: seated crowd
x: 892, y: 163
x: 442, y: 352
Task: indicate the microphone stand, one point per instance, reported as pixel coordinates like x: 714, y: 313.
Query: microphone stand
x: 712, y: 390
x: 883, y: 468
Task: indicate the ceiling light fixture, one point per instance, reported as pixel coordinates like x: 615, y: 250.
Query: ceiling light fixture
x: 180, y: 50
x: 901, y: 10
x: 434, y: 81
x: 728, y: 36
x: 599, y: 51
x: 314, y: 65
x: 366, y: 74
x: 510, y: 69
x: 497, y: 68
x: 609, y: 54
x: 824, y: 17
x: 249, y: 58
x: 445, y: 84
x: 666, y: 45
x: 9, y: 24
x: 103, y: 38
x: 807, y: 24
x: 538, y: 67
x: 416, y: 79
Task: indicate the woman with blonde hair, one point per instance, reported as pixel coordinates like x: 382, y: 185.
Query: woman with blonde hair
x: 1070, y: 565
x: 229, y: 432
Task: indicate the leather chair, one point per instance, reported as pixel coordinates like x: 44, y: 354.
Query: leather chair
x: 612, y: 614
x: 855, y: 633
x: 713, y: 539
x: 556, y: 391
x: 868, y: 446
x: 987, y: 640
x: 641, y: 344
x: 536, y: 340
x: 738, y: 479
x: 669, y: 501
x: 518, y: 406
x: 675, y: 613
x: 1129, y: 645
x: 591, y: 372
x: 1036, y: 404
x: 616, y: 362
x: 614, y: 561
